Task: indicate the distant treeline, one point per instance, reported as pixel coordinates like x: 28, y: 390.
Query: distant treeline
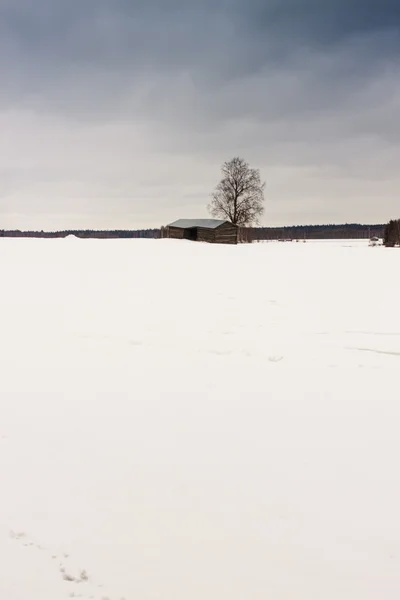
x: 392, y: 233
x: 318, y: 232
x: 84, y: 233
x: 308, y: 232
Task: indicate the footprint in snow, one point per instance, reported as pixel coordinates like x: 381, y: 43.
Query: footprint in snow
x: 275, y: 359
x: 68, y: 574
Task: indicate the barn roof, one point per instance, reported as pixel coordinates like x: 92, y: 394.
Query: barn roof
x: 206, y: 223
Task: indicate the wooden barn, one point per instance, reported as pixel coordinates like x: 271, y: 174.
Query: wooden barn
x: 203, y: 230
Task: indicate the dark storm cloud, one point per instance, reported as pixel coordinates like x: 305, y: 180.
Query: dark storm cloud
x: 234, y: 34
x: 323, y: 21
x: 90, y: 87
x: 70, y: 56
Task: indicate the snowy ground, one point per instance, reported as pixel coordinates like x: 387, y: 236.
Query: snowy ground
x: 182, y: 421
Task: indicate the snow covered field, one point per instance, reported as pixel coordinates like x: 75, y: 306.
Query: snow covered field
x: 182, y: 421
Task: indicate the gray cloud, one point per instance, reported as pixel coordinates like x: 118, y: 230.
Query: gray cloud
x: 323, y: 21
x: 121, y: 112
x: 184, y: 32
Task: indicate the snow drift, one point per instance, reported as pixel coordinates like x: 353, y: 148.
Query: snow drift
x: 190, y: 421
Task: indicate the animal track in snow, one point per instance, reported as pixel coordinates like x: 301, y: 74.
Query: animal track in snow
x: 70, y: 575
x: 275, y: 359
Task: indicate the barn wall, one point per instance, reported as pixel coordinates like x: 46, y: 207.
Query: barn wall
x: 175, y: 233
x: 226, y: 234
x: 205, y: 235
x: 190, y: 234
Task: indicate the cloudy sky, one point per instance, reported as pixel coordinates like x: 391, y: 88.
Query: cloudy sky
x: 119, y: 113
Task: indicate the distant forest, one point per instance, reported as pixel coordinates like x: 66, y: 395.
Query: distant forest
x: 318, y: 232
x: 308, y: 232
x: 84, y: 233
x: 392, y: 233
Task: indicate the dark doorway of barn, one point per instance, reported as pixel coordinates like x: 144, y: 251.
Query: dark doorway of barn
x: 190, y: 234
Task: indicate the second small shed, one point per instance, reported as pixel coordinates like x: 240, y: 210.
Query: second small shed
x: 203, y: 230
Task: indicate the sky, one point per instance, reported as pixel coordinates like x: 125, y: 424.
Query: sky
x: 119, y: 114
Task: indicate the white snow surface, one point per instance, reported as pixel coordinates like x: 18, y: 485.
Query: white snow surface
x: 186, y: 421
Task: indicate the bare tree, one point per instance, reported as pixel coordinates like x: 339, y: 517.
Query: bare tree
x: 239, y: 196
